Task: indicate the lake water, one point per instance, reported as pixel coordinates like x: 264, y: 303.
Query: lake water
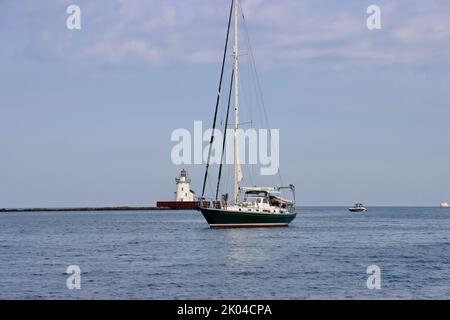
x: 323, y: 254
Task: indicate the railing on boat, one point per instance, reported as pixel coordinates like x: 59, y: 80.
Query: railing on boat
x: 221, y: 204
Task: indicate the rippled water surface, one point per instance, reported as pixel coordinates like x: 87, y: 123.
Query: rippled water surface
x: 323, y: 254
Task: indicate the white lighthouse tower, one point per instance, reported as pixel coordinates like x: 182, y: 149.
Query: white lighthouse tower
x: 184, y: 192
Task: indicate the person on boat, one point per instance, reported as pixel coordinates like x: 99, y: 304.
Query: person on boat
x: 225, y: 200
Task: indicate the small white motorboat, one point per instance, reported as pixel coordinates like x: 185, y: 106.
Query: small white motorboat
x: 357, y: 207
x: 444, y: 205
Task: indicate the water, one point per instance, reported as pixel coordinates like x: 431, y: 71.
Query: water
x: 323, y: 254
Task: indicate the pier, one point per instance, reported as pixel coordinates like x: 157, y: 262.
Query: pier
x: 120, y: 208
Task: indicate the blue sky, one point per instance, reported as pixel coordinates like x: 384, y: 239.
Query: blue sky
x: 86, y: 116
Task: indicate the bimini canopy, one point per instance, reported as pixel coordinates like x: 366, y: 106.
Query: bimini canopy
x: 258, y: 190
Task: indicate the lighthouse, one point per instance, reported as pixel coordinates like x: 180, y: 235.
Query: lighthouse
x: 184, y: 192
x: 184, y: 196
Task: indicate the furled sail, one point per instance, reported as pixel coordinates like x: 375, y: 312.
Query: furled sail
x: 240, y: 176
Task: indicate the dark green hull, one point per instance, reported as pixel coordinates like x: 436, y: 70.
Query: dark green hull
x: 217, y: 218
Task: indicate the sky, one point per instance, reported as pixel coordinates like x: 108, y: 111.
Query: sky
x: 86, y: 115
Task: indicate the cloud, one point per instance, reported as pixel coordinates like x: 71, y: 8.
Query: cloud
x: 283, y: 33
x: 429, y: 28
x: 127, y: 48
x: 203, y: 56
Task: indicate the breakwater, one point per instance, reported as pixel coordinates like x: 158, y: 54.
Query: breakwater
x: 120, y: 208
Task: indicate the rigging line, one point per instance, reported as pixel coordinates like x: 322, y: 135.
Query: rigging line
x: 227, y: 180
x: 247, y: 167
x: 247, y: 100
x: 218, y: 99
x: 252, y: 58
x: 222, y: 108
x: 253, y: 64
x: 254, y: 73
x: 224, y: 135
x: 210, y: 185
x: 228, y: 174
x: 249, y: 94
x: 279, y: 172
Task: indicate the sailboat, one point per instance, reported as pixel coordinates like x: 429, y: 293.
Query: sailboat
x: 252, y: 206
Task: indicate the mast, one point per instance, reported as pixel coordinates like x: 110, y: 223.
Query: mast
x: 217, y: 100
x: 236, y: 99
x: 224, y: 135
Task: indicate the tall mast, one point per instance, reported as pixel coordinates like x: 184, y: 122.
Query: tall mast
x: 236, y: 92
